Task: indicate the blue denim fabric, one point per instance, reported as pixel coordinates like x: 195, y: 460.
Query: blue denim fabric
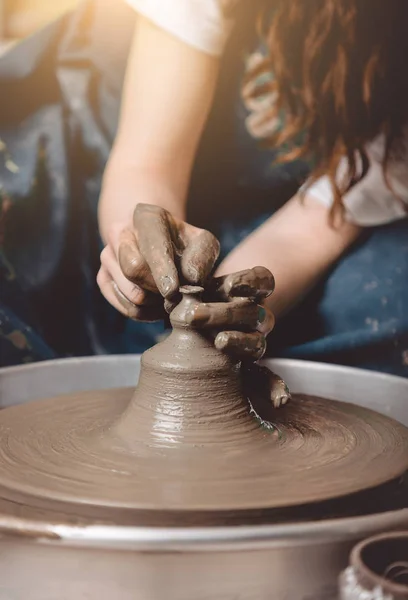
x: 19, y: 343
x: 358, y: 315
x: 49, y: 302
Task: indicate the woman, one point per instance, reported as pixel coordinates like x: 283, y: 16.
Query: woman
x: 339, y: 78
x: 325, y: 88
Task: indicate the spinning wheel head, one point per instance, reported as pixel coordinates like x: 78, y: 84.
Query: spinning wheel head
x: 186, y: 446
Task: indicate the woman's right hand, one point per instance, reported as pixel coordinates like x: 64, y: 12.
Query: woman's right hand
x: 143, y: 267
x: 148, y: 262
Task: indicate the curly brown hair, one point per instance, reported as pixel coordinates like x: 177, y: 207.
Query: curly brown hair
x: 340, y: 76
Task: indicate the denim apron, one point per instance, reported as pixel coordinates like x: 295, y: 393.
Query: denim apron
x: 59, y: 104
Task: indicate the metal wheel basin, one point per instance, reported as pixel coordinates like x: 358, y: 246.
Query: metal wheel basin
x: 40, y: 560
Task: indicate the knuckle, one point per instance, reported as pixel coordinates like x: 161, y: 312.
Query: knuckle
x: 144, y: 209
x: 210, y: 237
x: 127, y: 301
x: 132, y: 271
x: 131, y: 263
x: 212, y: 241
x: 136, y: 295
x: 261, y: 272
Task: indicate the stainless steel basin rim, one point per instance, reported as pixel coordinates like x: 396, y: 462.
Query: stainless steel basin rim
x: 387, y: 394
x: 203, y: 539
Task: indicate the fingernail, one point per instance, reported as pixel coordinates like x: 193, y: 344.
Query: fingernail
x: 261, y: 314
x: 221, y: 341
x: 167, y: 285
x: 286, y: 398
x: 121, y: 296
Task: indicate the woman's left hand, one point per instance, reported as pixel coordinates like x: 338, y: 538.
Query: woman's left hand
x: 236, y: 308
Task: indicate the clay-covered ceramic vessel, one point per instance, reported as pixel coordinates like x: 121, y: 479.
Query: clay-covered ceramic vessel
x: 378, y: 569
x: 188, y: 391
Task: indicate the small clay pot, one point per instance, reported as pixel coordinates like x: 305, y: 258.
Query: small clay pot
x: 378, y: 569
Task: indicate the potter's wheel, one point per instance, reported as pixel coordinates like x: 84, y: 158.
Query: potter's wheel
x: 187, y: 443
x: 80, y: 462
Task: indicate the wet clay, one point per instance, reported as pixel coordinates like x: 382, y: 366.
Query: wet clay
x: 187, y: 440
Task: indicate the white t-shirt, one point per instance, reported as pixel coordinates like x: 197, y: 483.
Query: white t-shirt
x: 206, y: 26
x: 203, y: 24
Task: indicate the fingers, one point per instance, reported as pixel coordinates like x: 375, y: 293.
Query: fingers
x: 257, y: 283
x: 150, y: 256
x: 133, y: 292
x: 240, y: 314
x: 132, y: 264
x: 128, y: 298
x: 264, y: 386
x: 270, y: 385
x: 105, y: 283
x: 147, y: 314
x: 119, y: 301
x: 199, y: 257
x: 267, y: 321
x: 244, y: 346
x: 279, y: 393
x: 154, y: 235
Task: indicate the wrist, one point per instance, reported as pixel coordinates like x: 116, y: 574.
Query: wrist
x: 124, y: 187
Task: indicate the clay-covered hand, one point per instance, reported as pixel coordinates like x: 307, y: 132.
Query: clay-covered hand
x: 237, y: 309
x: 150, y: 261
x: 234, y: 306
x: 264, y: 388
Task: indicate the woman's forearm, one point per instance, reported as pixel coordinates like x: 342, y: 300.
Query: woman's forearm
x: 166, y: 99
x: 298, y: 245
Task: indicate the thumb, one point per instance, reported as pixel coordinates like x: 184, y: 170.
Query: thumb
x: 132, y: 263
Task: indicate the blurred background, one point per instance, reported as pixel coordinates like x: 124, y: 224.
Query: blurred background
x: 19, y: 18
